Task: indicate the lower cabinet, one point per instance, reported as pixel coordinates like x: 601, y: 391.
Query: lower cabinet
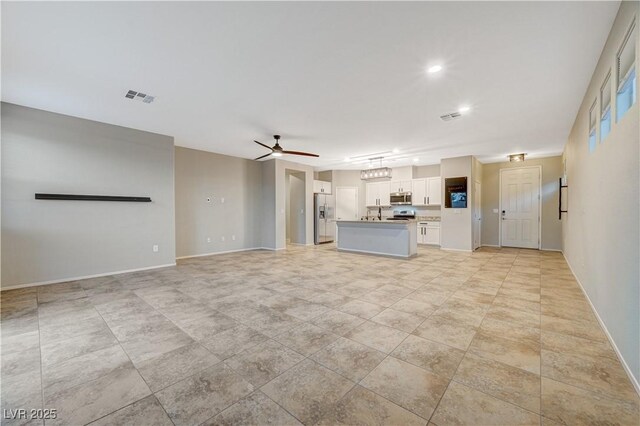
x: 429, y: 233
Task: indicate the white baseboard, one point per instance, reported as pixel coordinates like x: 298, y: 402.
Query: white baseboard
x: 634, y: 380
x: 213, y: 253
x: 550, y: 249
x: 459, y: 250
x: 85, y: 277
x: 490, y: 245
x: 271, y: 248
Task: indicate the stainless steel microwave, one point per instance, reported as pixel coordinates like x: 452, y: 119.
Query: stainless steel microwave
x: 400, y: 198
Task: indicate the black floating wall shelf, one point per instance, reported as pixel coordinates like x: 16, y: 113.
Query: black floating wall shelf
x: 91, y: 198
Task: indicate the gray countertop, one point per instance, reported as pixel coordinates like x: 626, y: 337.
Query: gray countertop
x: 383, y: 221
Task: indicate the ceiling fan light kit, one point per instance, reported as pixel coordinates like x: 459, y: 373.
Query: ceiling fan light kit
x: 277, y: 151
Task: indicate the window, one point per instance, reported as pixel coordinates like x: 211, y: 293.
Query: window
x: 605, y: 108
x: 626, y: 67
x: 593, y: 119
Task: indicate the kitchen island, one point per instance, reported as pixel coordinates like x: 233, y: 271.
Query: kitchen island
x: 398, y: 238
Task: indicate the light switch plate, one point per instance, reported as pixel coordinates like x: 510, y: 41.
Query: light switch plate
x: 155, y: 248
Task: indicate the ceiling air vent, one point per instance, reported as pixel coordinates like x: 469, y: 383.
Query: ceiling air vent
x: 450, y: 116
x: 132, y: 94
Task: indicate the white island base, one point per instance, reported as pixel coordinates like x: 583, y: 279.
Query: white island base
x: 396, y: 238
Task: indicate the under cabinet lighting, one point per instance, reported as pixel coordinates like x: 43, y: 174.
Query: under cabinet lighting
x: 516, y: 157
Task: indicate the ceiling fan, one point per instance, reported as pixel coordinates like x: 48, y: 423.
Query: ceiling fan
x: 277, y: 150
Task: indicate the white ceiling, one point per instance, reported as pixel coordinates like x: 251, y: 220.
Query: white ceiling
x: 338, y: 79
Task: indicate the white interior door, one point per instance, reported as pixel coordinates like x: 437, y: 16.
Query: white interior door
x: 347, y: 203
x: 477, y: 215
x: 520, y: 205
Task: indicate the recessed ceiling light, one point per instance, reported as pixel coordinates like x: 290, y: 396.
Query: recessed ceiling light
x: 415, y: 160
x: 347, y: 159
x: 434, y: 69
x: 396, y: 150
x: 464, y: 108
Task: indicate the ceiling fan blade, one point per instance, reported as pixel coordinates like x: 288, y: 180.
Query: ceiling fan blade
x: 308, y: 154
x: 260, y: 143
x: 259, y: 158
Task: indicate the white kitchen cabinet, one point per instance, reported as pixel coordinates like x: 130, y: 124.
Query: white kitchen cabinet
x: 422, y: 230
x: 400, y: 186
x: 321, y: 187
x: 377, y: 194
x: 429, y: 233
x: 427, y: 192
x: 434, y: 191
x: 419, y: 193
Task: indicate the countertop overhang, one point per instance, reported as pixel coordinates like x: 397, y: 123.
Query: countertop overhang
x: 379, y: 222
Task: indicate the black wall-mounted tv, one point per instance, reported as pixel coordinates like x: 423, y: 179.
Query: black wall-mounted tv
x: 455, y: 193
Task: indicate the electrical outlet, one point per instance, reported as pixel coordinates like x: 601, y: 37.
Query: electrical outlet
x: 155, y: 248
x: 222, y: 238
x: 233, y: 237
x: 208, y: 239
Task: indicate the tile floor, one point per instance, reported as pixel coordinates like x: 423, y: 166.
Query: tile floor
x: 314, y: 336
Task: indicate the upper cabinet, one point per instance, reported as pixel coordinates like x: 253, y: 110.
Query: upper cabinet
x: 434, y: 191
x: 419, y: 195
x: 378, y: 194
x: 427, y: 192
x: 321, y: 187
x: 400, y: 185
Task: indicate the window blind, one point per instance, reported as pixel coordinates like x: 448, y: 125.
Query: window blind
x: 605, y: 95
x: 592, y: 117
x: 627, y: 55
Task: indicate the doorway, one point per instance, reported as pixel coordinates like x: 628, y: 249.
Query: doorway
x: 477, y: 215
x: 295, y: 207
x: 347, y: 203
x: 520, y: 207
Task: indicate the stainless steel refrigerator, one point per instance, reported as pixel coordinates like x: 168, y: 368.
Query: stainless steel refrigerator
x: 324, y: 226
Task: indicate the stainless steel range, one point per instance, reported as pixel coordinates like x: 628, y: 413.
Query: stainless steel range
x: 405, y: 214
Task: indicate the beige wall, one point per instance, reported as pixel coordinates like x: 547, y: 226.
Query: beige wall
x: 296, y: 203
x: 274, y: 221
x: 268, y: 207
x: 426, y: 171
x: 601, y: 232
x: 60, y: 240
x: 202, y: 175
x: 551, y: 226
x: 455, y: 226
